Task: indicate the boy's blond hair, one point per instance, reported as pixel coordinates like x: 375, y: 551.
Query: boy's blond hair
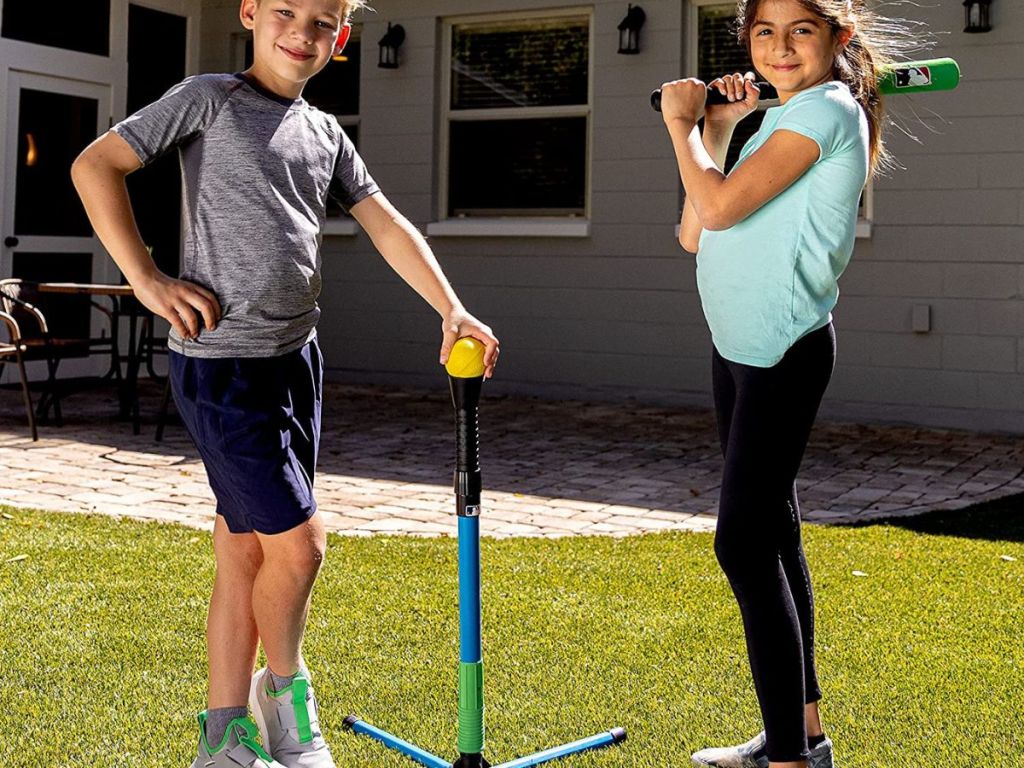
x: 348, y: 7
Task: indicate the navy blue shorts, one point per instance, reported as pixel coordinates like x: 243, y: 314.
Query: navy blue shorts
x: 256, y: 423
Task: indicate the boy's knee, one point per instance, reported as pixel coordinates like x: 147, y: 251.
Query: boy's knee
x: 301, y: 566
x: 300, y: 551
x: 237, y: 552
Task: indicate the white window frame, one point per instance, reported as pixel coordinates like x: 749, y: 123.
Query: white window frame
x: 865, y: 212
x: 511, y: 225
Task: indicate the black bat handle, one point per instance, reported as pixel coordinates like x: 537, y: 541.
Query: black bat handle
x: 466, y: 399
x: 715, y: 96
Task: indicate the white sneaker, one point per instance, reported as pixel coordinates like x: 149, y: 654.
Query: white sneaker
x: 288, y: 722
x: 754, y: 755
x: 238, y: 748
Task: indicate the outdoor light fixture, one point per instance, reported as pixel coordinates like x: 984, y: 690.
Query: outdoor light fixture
x: 389, y: 45
x: 629, y: 30
x: 976, y: 15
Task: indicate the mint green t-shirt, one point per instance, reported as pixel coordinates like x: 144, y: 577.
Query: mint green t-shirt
x: 772, y: 278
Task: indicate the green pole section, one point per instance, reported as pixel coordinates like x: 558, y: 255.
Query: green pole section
x: 471, y: 707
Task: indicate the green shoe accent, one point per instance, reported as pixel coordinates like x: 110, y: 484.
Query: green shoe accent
x: 298, y: 687
x: 247, y: 737
x: 471, y: 708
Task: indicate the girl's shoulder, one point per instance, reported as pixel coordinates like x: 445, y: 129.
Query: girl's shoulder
x: 828, y: 114
x: 833, y: 96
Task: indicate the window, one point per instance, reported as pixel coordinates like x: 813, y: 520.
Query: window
x: 52, y: 129
x: 714, y: 50
x: 516, y: 116
x: 83, y: 25
x: 335, y: 90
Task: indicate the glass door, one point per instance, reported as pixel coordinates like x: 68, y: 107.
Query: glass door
x: 46, y: 235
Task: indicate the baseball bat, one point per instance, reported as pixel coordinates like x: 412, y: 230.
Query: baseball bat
x: 904, y: 77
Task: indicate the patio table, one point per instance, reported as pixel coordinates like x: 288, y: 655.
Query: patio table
x: 123, y: 304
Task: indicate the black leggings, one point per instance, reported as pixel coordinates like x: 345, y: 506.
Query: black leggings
x: 764, y: 420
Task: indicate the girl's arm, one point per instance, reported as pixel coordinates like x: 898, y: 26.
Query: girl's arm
x: 720, y: 201
x: 407, y: 252
x: 98, y: 175
x: 716, y: 140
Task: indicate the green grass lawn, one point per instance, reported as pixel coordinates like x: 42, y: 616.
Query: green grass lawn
x: 922, y: 659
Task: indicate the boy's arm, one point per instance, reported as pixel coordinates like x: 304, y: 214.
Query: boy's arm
x: 98, y: 174
x: 405, y: 249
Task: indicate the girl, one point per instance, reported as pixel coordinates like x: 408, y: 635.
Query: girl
x: 771, y: 240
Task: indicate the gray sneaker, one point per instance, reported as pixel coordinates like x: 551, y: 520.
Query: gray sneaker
x: 753, y: 755
x: 238, y: 749
x: 287, y: 720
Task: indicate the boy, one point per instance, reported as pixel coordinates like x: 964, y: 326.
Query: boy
x: 257, y: 165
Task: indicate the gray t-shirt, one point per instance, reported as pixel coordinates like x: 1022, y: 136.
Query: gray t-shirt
x: 256, y: 172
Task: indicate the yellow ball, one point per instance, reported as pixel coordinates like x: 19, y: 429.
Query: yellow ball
x: 466, y: 360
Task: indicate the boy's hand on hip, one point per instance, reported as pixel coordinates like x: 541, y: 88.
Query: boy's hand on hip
x: 460, y: 324
x: 180, y: 303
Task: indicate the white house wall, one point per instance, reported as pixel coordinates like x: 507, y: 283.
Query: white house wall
x: 616, y: 314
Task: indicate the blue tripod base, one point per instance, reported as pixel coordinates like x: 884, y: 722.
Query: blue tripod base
x: 604, y: 739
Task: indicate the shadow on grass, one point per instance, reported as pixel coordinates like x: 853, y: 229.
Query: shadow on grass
x: 999, y: 520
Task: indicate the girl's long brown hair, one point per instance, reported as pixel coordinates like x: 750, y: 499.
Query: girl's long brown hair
x: 876, y: 42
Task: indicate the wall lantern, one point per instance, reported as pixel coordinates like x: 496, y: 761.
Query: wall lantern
x: 389, y: 45
x: 976, y: 15
x: 629, y: 30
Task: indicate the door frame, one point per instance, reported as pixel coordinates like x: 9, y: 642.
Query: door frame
x: 18, y: 59
x: 103, y: 269
x: 22, y: 62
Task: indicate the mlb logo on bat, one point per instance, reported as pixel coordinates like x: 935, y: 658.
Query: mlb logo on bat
x: 911, y: 77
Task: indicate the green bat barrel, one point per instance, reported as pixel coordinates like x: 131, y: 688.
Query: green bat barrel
x: 894, y: 80
x: 920, y: 76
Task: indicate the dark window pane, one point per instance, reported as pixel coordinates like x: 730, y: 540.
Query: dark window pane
x: 156, y: 54
x: 746, y: 128
x: 67, y: 315
x: 520, y: 64
x: 82, y: 25
x: 52, y: 129
x: 336, y: 89
x: 156, y: 61
x: 541, y: 168
x: 719, y: 52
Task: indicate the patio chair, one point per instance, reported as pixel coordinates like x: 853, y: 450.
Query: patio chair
x: 22, y: 301
x: 14, y: 349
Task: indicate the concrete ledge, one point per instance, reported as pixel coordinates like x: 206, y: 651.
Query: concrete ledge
x: 509, y: 228
x: 344, y: 227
